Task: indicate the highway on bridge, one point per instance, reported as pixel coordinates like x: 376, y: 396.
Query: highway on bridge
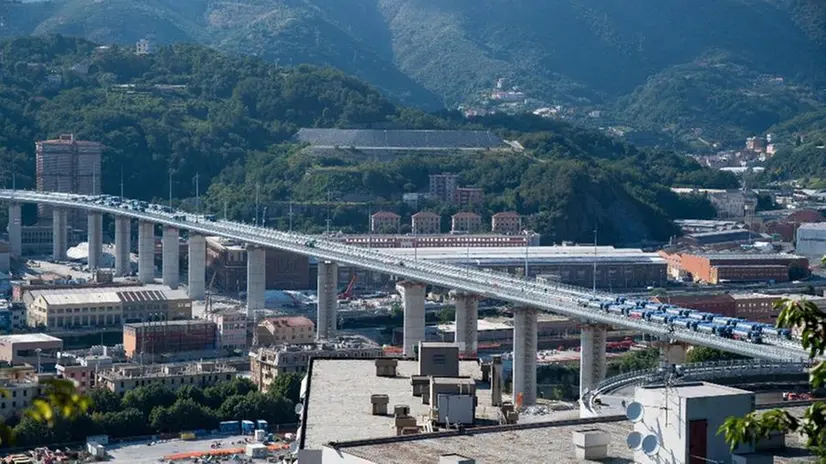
x: 559, y: 299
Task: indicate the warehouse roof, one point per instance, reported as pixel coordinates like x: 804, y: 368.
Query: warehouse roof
x: 536, y: 255
x: 106, y: 295
x: 400, y: 139
x: 29, y: 338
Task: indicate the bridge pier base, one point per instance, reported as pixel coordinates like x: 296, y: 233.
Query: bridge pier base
x: 327, y: 311
x: 592, y: 357
x: 15, y: 231
x: 196, y: 272
x: 146, y: 252
x: 413, y: 295
x: 256, y: 279
x: 673, y: 353
x: 123, y: 239
x: 94, y: 238
x: 171, y: 257
x: 59, y: 234
x: 467, y: 315
x: 524, y: 356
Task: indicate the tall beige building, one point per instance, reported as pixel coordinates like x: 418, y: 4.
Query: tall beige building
x: 69, y: 166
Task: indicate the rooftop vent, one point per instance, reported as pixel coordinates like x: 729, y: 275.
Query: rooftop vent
x: 401, y: 410
x: 379, y: 403
x: 386, y: 367
x: 591, y: 444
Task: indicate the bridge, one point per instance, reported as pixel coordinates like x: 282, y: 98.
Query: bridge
x: 467, y: 285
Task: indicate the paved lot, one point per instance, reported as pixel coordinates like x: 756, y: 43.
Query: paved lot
x: 142, y: 453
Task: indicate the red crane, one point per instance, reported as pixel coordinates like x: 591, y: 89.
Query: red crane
x: 347, y: 294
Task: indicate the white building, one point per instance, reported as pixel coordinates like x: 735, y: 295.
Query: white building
x: 143, y: 47
x: 232, y: 328
x: 811, y: 241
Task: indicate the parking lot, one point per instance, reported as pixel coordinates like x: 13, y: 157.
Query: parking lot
x: 144, y: 453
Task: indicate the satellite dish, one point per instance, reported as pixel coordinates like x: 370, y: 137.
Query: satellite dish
x: 634, y: 441
x: 299, y: 408
x: 651, y: 445
x: 634, y: 412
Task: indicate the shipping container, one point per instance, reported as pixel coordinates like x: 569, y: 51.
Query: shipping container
x: 247, y: 427
x: 263, y: 425
x: 233, y: 427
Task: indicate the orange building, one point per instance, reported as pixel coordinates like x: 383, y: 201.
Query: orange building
x: 735, y: 267
x: 169, y: 337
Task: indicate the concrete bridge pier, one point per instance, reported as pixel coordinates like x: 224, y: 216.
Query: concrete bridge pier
x: 15, y: 230
x: 524, y: 355
x: 413, y: 296
x: 171, y: 257
x: 327, y: 315
x: 59, y: 234
x: 146, y: 252
x: 123, y: 245
x: 467, y: 316
x: 196, y: 271
x: 592, y: 362
x: 256, y: 279
x: 673, y: 352
x: 94, y: 239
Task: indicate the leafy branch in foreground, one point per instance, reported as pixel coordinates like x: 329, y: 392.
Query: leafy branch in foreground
x: 60, y: 399
x: 811, y: 321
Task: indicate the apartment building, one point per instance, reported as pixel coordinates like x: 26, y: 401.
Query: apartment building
x: 169, y: 337
x: 69, y: 166
x: 21, y: 385
x: 464, y: 222
x: 28, y: 348
x: 123, y: 378
x: 507, y: 222
x: 385, y: 222
x: 426, y: 222
x: 287, y: 329
x: 443, y: 186
x: 82, y: 371
x: 469, y: 196
x: 266, y: 363
x: 232, y: 328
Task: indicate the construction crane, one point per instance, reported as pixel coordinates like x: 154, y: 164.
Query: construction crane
x: 347, y: 294
x: 208, y: 297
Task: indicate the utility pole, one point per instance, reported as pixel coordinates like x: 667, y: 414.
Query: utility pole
x: 291, y: 214
x: 197, y: 193
x: 257, y: 204
x: 596, y: 231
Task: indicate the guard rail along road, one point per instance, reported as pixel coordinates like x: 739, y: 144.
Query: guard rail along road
x: 695, y: 372
x: 559, y: 299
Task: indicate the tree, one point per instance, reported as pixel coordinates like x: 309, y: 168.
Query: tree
x: 447, y: 314
x: 185, y: 414
x: 192, y: 392
x: 104, y: 400
x: 639, y: 360
x: 147, y: 398
x: 128, y: 422
x: 287, y: 386
x: 701, y: 354
x: 811, y: 321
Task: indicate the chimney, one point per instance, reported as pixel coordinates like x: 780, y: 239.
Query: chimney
x: 401, y: 410
x: 379, y: 403
x: 386, y: 367
x: 496, y: 380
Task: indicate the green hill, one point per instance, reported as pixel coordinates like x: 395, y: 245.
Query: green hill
x: 445, y: 52
x: 187, y: 110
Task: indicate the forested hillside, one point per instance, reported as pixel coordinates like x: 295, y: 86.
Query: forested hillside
x: 443, y: 52
x: 188, y: 110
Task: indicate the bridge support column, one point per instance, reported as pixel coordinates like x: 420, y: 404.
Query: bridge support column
x: 15, y: 230
x: 524, y: 355
x: 673, y: 353
x: 413, y: 296
x: 327, y: 315
x: 123, y: 245
x: 171, y: 257
x: 592, y: 357
x: 196, y: 271
x: 467, y: 315
x: 146, y: 252
x: 94, y: 239
x: 59, y: 239
x: 256, y: 279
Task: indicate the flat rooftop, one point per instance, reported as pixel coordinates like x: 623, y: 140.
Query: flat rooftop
x: 109, y: 295
x: 29, y: 338
x: 338, y: 408
x: 540, y: 442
